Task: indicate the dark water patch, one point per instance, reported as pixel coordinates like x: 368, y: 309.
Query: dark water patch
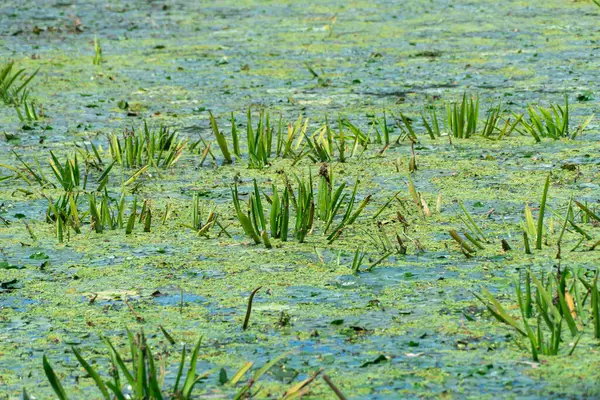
x: 170, y: 296
x: 16, y: 303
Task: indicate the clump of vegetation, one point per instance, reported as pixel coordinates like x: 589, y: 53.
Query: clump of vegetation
x: 160, y: 147
x: 144, y: 378
x: 254, y: 221
x: 97, y: 52
x: 304, y: 204
x: 13, y: 86
x: 29, y: 113
x: 558, y: 302
x: 496, y: 126
x: 269, y: 140
x: 551, y: 122
x: 462, y: 117
x: 68, y: 173
x: 64, y: 214
x: 473, y: 234
x: 197, y: 224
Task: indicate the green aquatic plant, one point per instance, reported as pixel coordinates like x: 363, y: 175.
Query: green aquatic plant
x: 418, y: 199
x: 328, y: 200
x: 243, y: 392
x: 588, y: 215
x: 543, y: 122
x: 381, y: 129
x: 570, y: 219
x: 146, y: 215
x: 359, y: 256
x: 280, y: 214
x: 475, y: 234
x: 430, y: 121
x: 490, y: 127
x: 256, y: 226
x: 334, y: 388
x: 350, y: 216
x: 10, y: 90
x: 99, y: 216
x: 496, y: 127
x: 551, y: 122
x: 331, y: 25
x: 97, y: 52
x: 320, y: 144
x: 29, y: 114
x: 382, y: 240
x: 354, y: 134
x: 204, y: 149
x: 465, y: 248
x: 235, y: 137
x: 594, y: 294
x: 64, y: 214
x: 144, y: 378
x: 249, y: 308
x: 462, y: 117
x: 342, y: 141
x: 221, y: 139
x: 532, y: 229
x: 202, y: 227
x: 548, y: 311
x: 108, y: 213
x: 91, y: 153
x: 254, y: 222
x: 405, y: 125
x: 34, y: 172
x: 289, y: 145
x: 67, y: 174
x: 269, y: 139
x: 378, y: 261
x: 304, y: 204
x: 260, y: 140
x: 136, y: 148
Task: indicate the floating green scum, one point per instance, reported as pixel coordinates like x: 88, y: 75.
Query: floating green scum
x: 334, y: 200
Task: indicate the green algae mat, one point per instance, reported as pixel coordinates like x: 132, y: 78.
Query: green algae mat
x: 335, y: 200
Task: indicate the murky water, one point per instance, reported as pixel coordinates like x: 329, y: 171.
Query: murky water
x: 411, y: 327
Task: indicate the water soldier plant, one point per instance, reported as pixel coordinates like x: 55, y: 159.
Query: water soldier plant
x: 14, y: 86
x: 203, y: 228
x: 145, y: 378
x: 462, y: 117
x: 158, y: 147
x: 551, y: 122
x: 548, y: 308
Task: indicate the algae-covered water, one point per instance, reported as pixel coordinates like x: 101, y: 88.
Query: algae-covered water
x: 408, y: 323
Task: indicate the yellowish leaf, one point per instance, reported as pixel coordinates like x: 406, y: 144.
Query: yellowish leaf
x: 570, y: 304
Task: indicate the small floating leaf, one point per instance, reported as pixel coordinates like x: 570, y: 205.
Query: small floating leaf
x: 39, y: 256
x: 6, y: 265
x: 378, y: 360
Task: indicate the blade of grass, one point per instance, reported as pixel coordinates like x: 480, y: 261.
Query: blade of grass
x: 92, y: 372
x: 540, y: 224
x: 249, y: 308
x: 53, y: 379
